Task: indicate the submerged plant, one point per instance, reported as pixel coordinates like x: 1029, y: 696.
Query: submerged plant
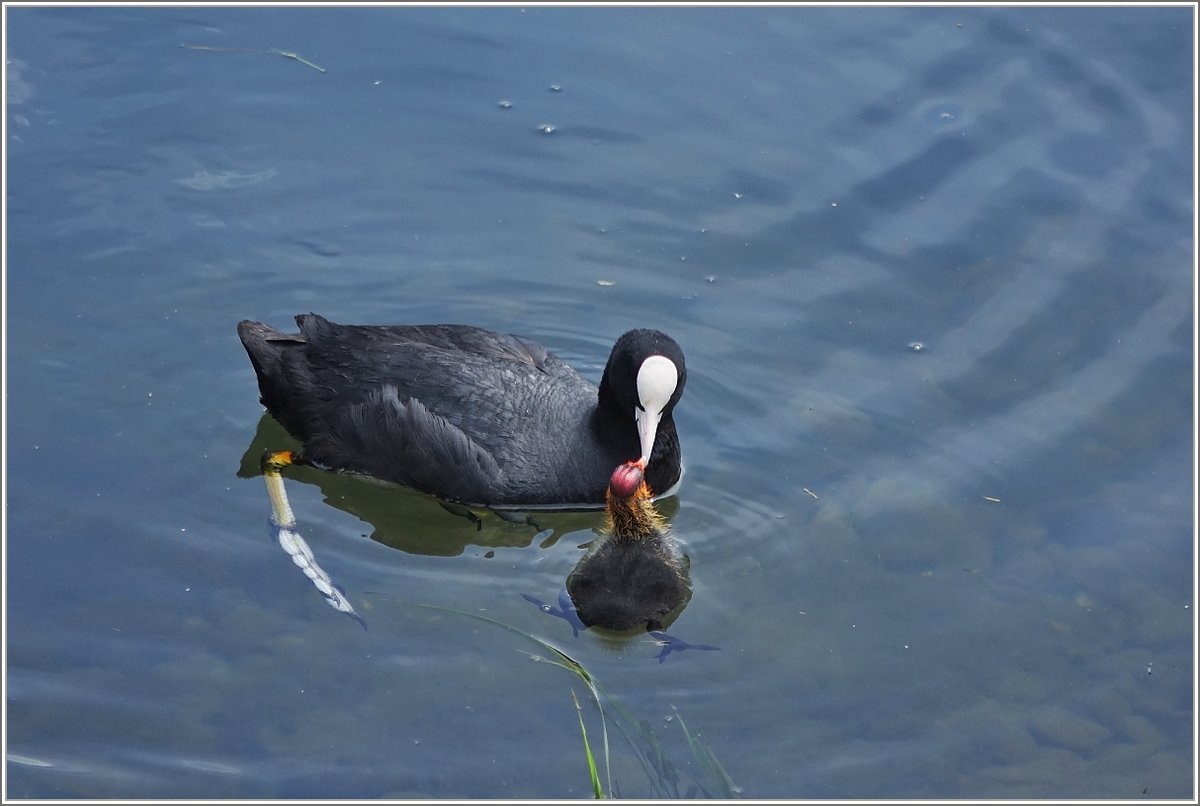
x: 643, y: 741
x: 597, y: 790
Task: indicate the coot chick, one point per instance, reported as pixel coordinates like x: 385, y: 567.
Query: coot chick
x: 470, y: 415
x: 633, y: 577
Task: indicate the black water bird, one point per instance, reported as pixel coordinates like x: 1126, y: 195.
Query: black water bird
x: 469, y: 415
x: 633, y: 577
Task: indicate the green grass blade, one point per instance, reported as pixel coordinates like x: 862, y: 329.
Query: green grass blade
x: 604, y: 735
x: 597, y: 790
x: 727, y: 789
x: 560, y: 658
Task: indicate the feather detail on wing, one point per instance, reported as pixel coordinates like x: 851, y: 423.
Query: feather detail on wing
x: 391, y: 437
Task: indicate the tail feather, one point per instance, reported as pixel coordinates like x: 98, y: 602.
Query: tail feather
x: 266, y: 348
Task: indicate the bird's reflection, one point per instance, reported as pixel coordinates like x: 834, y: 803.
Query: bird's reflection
x: 407, y: 520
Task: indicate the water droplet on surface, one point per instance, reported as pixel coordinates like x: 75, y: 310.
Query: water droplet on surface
x: 555, y: 88
x: 505, y: 104
x: 916, y: 346
x: 942, y: 113
x: 546, y: 128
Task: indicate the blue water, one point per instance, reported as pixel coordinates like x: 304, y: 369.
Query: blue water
x: 933, y: 271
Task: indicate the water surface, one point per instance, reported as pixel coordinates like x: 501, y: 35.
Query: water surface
x: 933, y: 272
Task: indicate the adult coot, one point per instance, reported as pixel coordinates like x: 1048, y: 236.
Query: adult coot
x: 470, y: 415
x: 633, y: 577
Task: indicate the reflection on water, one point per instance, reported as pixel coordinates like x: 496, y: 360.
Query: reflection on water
x: 283, y: 523
x: 412, y: 521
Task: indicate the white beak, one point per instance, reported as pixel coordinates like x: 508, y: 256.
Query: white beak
x: 647, y: 424
x: 656, y: 380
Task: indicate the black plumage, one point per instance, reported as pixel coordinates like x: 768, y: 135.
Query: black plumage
x: 466, y: 414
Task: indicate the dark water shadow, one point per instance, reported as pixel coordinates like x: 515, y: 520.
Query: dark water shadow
x: 405, y: 519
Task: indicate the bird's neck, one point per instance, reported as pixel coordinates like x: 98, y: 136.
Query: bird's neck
x: 634, y: 518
